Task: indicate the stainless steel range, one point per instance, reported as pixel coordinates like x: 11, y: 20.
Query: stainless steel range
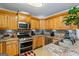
x: 25, y: 42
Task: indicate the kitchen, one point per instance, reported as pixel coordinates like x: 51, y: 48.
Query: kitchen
x: 24, y: 34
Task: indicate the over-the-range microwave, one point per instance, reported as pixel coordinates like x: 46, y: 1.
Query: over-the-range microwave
x: 23, y: 25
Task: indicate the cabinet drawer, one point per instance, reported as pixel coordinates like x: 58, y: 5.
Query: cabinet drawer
x: 11, y: 42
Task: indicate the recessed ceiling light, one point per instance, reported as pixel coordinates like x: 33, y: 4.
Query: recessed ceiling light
x: 36, y: 4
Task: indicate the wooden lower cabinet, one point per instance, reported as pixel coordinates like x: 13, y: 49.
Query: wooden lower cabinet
x: 1, y: 48
x: 38, y: 41
x: 35, y: 42
x: 12, y: 48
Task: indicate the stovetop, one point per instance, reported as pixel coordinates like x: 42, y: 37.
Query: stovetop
x: 25, y: 39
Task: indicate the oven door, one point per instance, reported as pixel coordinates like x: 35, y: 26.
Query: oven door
x: 25, y: 46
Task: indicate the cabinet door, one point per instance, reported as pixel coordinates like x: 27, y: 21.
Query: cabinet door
x: 15, y: 48
x: 35, y: 24
x: 9, y: 48
x: 5, y: 21
x: 8, y: 22
x: 1, y: 48
x: 14, y: 23
x: 2, y: 22
x: 62, y: 25
x: 24, y: 18
x: 54, y: 23
x: 12, y: 48
x: 40, y: 41
x: 73, y: 27
x: 48, y: 24
x: 58, y: 24
x: 35, y: 42
x: 11, y: 22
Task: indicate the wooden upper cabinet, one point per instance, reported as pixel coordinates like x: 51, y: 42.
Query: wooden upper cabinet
x: 66, y: 27
x: 24, y: 18
x: 48, y: 24
x: 51, y: 24
x: 8, y: 21
x: 35, y: 24
x: 60, y: 24
x: 56, y: 23
x: 73, y: 27
x: 12, y: 22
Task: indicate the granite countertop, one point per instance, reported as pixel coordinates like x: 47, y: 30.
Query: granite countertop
x: 61, y: 51
x: 48, y: 36
x: 55, y: 50
x: 8, y: 39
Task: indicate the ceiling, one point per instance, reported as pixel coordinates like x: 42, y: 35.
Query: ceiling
x: 46, y: 10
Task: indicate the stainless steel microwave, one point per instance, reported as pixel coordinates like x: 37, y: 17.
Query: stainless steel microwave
x: 23, y: 25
